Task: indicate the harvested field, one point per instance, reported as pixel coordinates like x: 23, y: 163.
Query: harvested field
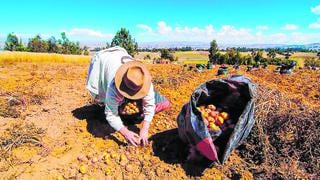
x: 70, y: 138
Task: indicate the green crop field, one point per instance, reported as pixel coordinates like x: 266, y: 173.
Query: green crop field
x: 301, y: 56
x: 195, y: 61
x: 185, y: 57
x: 191, y: 55
x: 201, y: 57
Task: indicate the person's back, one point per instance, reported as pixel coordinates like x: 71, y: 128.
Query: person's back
x: 114, y: 79
x: 103, y: 68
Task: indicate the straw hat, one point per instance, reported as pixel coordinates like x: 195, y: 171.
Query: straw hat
x: 133, y: 80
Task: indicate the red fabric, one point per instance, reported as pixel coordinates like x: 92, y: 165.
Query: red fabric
x: 207, y: 148
x: 162, y: 106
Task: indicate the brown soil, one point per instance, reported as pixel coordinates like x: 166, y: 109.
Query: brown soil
x: 52, y: 96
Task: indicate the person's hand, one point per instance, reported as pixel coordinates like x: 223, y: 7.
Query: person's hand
x: 144, y: 133
x: 130, y: 136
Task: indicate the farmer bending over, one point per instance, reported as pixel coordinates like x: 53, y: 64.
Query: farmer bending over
x: 115, y: 78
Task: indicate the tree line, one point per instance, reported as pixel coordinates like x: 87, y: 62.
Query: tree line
x: 64, y: 46
x: 240, y: 49
x: 236, y: 56
x: 123, y: 39
x: 276, y: 49
x: 50, y: 45
x: 254, y: 57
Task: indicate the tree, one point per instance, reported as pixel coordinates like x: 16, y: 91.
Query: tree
x: 248, y: 60
x: 124, y: 40
x: 36, y: 44
x: 232, y: 52
x: 52, y: 45
x: 213, y: 50
x: 65, y: 44
x: 68, y: 47
x: 74, y: 48
x: 165, y: 54
x: 21, y: 47
x: 272, y: 54
x: 216, y: 58
x: 85, y: 50
x: 222, y: 58
x: 313, y: 62
x: 238, y: 58
x: 187, y: 48
x: 287, y: 54
x: 257, y: 56
x: 12, y: 42
x: 253, y: 54
x: 108, y: 45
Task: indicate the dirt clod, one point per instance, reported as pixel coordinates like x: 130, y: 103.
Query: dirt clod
x: 129, y: 168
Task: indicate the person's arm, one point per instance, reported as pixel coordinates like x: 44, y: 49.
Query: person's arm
x: 148, y: 109
x: 149, y: 105
x: 113, y: 118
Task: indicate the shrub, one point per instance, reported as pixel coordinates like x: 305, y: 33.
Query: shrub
x: 312, y: 62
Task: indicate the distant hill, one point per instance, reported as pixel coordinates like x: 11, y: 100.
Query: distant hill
x: 197, y: 45
x: 202, y: 45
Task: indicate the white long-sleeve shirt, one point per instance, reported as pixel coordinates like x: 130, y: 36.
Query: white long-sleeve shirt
x: 100, y: 83
x: 114, y: 99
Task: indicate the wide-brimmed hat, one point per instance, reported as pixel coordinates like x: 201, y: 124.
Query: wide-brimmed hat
x: 133, y: 80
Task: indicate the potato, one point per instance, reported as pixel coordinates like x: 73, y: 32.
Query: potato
x: 83, y: 169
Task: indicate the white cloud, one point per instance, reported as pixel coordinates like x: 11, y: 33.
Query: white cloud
x: 262, y: 27
x: 315, y: 25
x: 304, y: 38
x: 259, y: 33
x: 209, y: 29
x: 316, y: 10
x: 231, y: 35
x: 163, y: 28
x: 227, y: 34
x: 145, y: 27
x: 45, y: 36
x: 88, y: 33
x: 24, y: 35
x: 290, y: 27
x: 277, y: 38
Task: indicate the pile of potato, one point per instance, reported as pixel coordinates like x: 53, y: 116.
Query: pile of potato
x: 130, y: 108
x: 214, y: 119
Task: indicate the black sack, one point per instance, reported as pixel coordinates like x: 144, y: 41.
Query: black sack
x: 161, y: 104
x: 234, y: 95
x: 131, y: 119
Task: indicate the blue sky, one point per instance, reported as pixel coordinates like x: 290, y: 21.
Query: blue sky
x: 228, y: 21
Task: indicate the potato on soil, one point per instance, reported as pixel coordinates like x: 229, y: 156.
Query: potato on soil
x: 83, y: 169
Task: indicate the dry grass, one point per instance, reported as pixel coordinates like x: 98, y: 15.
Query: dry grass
x: 17, y: 57
x: 25, y: 82
x: 285, y: 140
x: 17, y: 135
